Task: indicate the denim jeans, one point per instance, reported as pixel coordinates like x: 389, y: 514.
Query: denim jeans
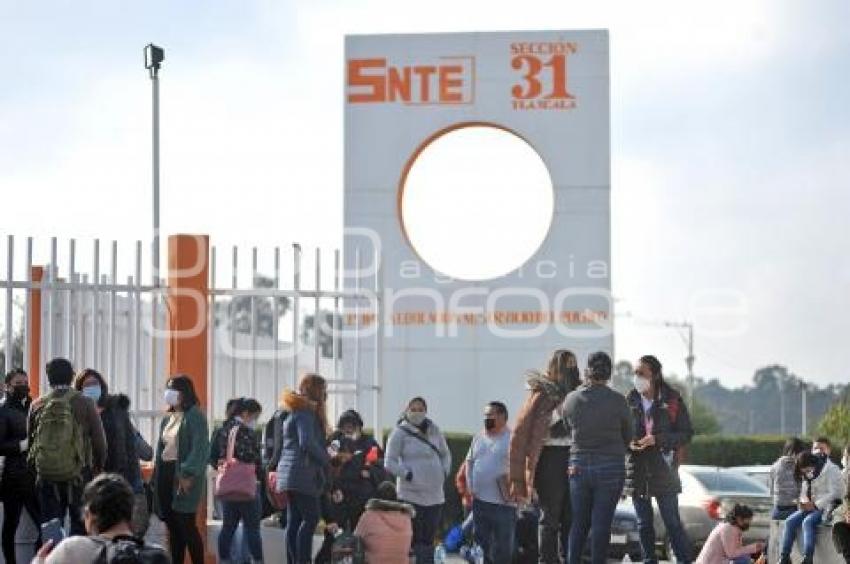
x: 302, y: 516
x: 782, y: 512
x: 425, y: 525
x: 596, y: 483
x: 249, y: 513
x: 668, y: 507
x: 494, y: 525
x: 809, y: 520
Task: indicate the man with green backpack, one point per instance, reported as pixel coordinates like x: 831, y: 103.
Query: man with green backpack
x: 67, y: 446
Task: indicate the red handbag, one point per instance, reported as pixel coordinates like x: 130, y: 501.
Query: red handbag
x: 236, y: 480
x: 278, y: 500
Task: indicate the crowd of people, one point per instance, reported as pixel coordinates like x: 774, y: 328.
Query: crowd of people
x: 574, y: 450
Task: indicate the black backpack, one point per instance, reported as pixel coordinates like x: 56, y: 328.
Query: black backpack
x: 125, y: 549
x: 273, y: 438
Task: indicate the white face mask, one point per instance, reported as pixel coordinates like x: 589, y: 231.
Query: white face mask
x: 641, y: 384
x: 172, y: 397
x: 416, y: 417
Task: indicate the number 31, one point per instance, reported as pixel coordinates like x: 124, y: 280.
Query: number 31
x: 532, y: 66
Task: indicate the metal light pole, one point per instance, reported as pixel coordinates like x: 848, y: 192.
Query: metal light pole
x: 804, y: 416
x: 153, y: 60
x: 781, y: 385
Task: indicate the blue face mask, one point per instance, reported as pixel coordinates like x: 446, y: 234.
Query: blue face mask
x: 92, y: 392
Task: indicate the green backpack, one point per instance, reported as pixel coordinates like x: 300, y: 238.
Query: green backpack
x: 58, y: 449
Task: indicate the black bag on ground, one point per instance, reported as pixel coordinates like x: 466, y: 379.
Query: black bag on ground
x: 348, y: 548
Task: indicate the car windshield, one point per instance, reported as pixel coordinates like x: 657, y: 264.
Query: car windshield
x: 729, y: 482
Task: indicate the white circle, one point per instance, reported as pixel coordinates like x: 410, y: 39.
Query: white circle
x: 477, y: 203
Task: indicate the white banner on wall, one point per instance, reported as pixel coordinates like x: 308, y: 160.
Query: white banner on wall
x: 458, y: 343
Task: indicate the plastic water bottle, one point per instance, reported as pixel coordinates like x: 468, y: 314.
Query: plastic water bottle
x: 477, y: 554
x: 440, y: 554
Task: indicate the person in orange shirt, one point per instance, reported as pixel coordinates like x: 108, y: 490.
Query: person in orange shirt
x: 724, y: 544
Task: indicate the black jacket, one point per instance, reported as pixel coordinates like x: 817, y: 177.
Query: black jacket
x: 246, y: 447
x: 347, y: 473
x: 655, y: 470
x: 18, y: 477
x: 121, y: 456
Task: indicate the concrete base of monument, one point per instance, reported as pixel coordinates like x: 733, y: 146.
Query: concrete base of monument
x: 824, y: 549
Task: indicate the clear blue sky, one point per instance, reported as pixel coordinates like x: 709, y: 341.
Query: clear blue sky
x: 730, y: 144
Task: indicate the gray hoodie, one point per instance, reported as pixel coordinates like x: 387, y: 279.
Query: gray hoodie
x: 410, y: 456
x: 783, y: 486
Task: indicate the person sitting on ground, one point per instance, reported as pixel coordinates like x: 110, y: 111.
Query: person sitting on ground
x: 841, y: 527
x: 784, y: 483
x: 725, y: 543
x: 107, y: 511
x: 822, y: 486
x: 385, y: 528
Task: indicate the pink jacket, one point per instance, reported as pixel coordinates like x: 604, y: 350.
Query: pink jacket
x: 386, y: 530
x: 724, y: 544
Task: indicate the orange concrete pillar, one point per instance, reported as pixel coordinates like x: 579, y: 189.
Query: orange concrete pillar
x: 34, y: 344
x: 188, y: 305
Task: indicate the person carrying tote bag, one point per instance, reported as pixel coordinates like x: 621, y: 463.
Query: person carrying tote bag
x: 237, y: 479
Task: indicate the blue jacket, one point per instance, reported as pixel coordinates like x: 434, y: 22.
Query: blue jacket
x: 303, y: 459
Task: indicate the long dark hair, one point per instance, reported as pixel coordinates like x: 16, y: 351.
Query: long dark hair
x: 563, y: 368
x: 183, y: 384
x: 793, y: 447
x: 657, y: 376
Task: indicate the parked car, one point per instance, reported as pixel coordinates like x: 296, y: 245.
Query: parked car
x: 760, y: 472
x: 624, y: 534
x: 708, y: 493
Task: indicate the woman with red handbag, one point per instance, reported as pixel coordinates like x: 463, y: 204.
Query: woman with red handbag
x: 236, y: 483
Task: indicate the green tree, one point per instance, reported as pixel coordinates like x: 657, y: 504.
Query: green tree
x: 835, y: 423
x: 703, y: 420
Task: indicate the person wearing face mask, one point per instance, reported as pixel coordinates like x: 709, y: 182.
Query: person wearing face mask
x: 822, y: 485
x: 303, y: 468
x: 357, y: 470
x: 419, y: 458
x: 662, y: 427
x: 17, y: 489
x: 67, y: 445
x: 841, y: 526
x: 493, y: 512
x: 180, y: 468
x: 246, y: 448
x: 540, y: 452
x: 725, y: 543
x: 121, y: 455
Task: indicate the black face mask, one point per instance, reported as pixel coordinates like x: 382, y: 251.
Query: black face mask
x: 489, y: 424
x: 21, y: 392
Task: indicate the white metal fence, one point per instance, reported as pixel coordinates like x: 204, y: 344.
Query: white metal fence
x: 261, y: 335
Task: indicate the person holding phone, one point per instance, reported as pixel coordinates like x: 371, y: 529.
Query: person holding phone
x: 180, y: 468
x: 662, y: 427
